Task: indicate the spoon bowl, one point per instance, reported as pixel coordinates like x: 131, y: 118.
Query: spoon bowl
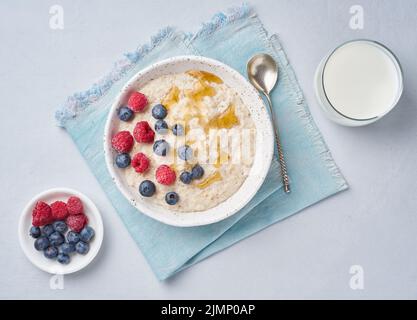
x: 263, y: 72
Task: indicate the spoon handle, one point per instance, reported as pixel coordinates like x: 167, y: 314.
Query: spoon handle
x: 281, y: 160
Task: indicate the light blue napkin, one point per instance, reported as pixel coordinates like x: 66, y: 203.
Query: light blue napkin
x: 232, y: 38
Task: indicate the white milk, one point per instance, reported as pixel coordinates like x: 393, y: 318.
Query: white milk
x: 359, y: 82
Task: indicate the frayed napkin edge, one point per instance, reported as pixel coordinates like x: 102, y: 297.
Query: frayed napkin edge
x: 80, y: 101
x: 305, y: 116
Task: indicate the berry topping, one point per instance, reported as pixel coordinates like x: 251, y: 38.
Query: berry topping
x: 137, y: 102
x: 185, y: 153
x: 59, y: 210
x: 73, y: 237
x: 161, y: 127
x: 82, y: 247
x: 77, y: 222
x: 186, y: 177
x: 125, y: 113
x: 122, y: 160
x: 66, y: 248
x: 63, y: 258
x: 178, y: 130
x: 75, y: 206
x: 165, y: 175
x: 87, y: 233
x: 60, y: 226
x: 197, y: 171
x: 143, y: 132
x: 41, y: 214
x: 51, y: 252
x: 159, y: 111
x: 41, y: 243
x: 35, y: 232
x: 122, y: 141
x: 172, y: 198
x: 147, y: 188
x: 47, y: 230
x: 140, y: 162
x: 56, y: 239
x: 161, y: 147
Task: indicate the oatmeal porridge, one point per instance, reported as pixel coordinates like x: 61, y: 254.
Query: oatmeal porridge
x: 185, y: 141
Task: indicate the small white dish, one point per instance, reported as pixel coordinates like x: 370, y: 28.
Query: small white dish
x: 263, y: 152
x: 78, y: 261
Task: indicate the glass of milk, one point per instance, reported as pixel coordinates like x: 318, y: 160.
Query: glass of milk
x: 358, y: 82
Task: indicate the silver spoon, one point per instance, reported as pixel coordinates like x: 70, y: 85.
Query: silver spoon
x: 263, y: 74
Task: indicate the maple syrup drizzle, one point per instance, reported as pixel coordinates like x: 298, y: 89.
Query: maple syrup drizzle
x: 171, y: 98
x: 226, y: 120
x: 214, y: 177
x: 205, y: 76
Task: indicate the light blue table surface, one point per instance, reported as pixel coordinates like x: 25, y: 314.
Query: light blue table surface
x: 309, y: 255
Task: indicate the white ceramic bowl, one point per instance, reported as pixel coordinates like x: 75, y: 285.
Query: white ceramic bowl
x: 264, y: 141
x: 78, y: 261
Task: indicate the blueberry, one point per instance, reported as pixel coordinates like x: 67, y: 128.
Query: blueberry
x: 125, y: 113
x: 147, y: 188
x: 82, y: 247
x: 35, y: 232
x: 185, y: 153
x: 161, y: 147
x: 48, y: 230
x: 178, y: 130
x: 56, y: 239
x: 161, y: 127
x: 41, y: 243
x: 159, y: 111
x: 73, y: 237
x: 172, y: 198
x: 66, y: 248
x: 50, y: 252
x: 197, y: 171
x: 60, y: 226
x: 123, y: 160
x: 87, y: 233
x: 186, y: 177
x: 63, y: 258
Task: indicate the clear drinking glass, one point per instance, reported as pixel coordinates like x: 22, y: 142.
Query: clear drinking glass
x: 336, y: 110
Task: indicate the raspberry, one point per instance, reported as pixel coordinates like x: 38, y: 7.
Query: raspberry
x: 143, y: 132
x: 140, y: 162
x: 59, y: 210
x: 77, y: 222
x: 122, y: 141
x: 165, y: 175
x: 137, y: 102
x: 75, y: 206
x: 41, y: 214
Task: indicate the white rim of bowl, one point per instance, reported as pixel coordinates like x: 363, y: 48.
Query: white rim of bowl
x: 108, y: 150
